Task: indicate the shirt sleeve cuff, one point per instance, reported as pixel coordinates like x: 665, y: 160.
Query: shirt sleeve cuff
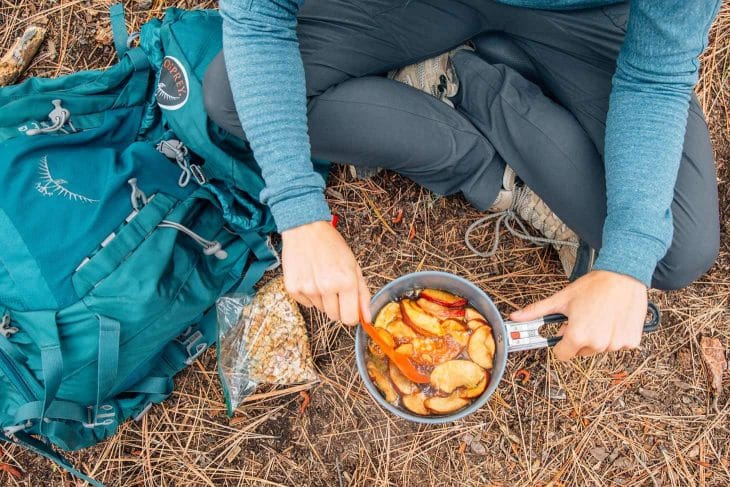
x: 631, y: 254
x: 300, y: 210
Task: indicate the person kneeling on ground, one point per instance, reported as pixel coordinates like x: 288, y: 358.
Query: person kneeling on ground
x: 577, y: 119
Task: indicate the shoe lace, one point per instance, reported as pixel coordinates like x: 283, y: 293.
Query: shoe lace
x: 510, y: 218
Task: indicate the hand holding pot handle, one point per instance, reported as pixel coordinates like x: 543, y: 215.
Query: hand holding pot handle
x: 526, y: 336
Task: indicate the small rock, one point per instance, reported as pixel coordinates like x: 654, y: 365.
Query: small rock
x: 613, y: 456
x: 647, y: 394
x: 694, y: 452
x: 334, y: 193
x: 599, y: 453
x: 144, y: 4
x: 51, y: 49
x: 686, y: 399
x: 623, y: 462
x: 478, y: 448
x: 554, y: 391
x: 468, y: 438
x: 680, y: 384
x: 557, y: 394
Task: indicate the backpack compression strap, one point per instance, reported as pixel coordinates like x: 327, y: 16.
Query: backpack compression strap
x: 119, y: 29
x: 40, y: 448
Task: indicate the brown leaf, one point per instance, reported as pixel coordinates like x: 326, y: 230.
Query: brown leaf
x: 713, y: 353
x: 305, y: 401
x: 618, y: 378
x: 4, y: 467
x: 412, y: 232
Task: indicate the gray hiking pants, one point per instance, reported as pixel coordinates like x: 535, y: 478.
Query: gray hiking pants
x: 535, y: 94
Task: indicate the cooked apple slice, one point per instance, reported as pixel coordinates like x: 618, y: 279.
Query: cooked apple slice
x: 377, y: 375
x: 445, y: 405
x: 419, y: 320
x: 400, y: 381
x: 453, y: 325
x: 453, y: 374
x: 440, y: 311
x: 400, y: 332
x: 477, y: 390
x: 460, y: 337
x: 472, y: 314
x: 443, y: 298
x: 434, y: 351
x: 457, y: 331
x: 476, y: 323
x: 415, y: 403
x: 375, y: 350
x: 405, y: 349
x: 386, y: 336
x: 388, y: 313
x: 481, y: 347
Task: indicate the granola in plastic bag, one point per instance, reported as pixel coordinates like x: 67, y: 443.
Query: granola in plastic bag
x: 261, y: 340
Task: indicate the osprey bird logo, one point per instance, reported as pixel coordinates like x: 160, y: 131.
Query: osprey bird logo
x: 173, y: 85
x: 161, y: 94
x: 50, y: 186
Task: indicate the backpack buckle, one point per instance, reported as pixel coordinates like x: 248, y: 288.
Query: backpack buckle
x: 104, y: 415
x: 143, y: 412
x: 10, y: 431
x: 5, y: 329
x: 193, y: 343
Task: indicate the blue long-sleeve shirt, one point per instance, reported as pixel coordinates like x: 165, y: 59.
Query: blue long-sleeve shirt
x: 656, y: 71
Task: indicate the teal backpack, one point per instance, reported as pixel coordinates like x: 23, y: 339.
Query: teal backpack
x: 125, y: 215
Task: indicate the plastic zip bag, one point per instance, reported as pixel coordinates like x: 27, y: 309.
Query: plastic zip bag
x: 261, y: 340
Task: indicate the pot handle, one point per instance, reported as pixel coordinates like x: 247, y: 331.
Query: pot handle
x: 526, y: 336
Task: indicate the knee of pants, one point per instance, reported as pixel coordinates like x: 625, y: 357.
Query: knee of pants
x: 218, y: 98
x: 682, y: 266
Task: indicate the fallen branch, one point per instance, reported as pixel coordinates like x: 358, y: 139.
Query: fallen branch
x: 18, y: 58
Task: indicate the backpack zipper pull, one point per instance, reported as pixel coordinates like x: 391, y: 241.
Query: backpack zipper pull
x: 176, y: 150
x: 210, y: 247
x: 58, y: 116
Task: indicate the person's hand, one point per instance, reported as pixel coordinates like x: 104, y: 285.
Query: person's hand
x: 606, y: 312
x: 321, y: 271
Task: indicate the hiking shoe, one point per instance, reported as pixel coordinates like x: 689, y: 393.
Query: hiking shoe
x: 505, y: 197
x: 435, y: 76
x: 533, y: 211
x: 526, y: 208
x: 363, y: 172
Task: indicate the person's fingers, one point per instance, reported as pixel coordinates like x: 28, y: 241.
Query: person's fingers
x: 316, y: 300
x: 349, y: 303
x: 297, y: 292
x: 302, y: 299
x: 553, y: 304
x: 585, y: 352
x: 364, y: 299
x: 569, y: 346
x: 331, y: 306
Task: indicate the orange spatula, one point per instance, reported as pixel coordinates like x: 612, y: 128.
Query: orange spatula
x: 403, y: 363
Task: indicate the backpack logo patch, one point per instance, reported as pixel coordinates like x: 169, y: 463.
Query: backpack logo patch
x: 172, y: 87
x: 47, y: 185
